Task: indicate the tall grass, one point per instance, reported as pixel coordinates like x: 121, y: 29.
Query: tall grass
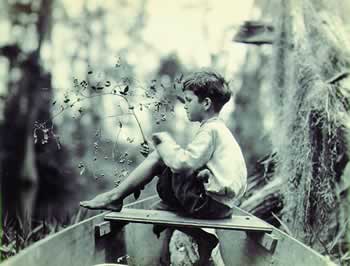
x: 14, y: 238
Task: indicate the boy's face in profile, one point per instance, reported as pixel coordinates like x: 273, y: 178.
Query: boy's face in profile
x: 193, y: 107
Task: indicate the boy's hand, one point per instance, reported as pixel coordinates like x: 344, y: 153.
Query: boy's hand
x: 204, y: 175
x: 146, y: 148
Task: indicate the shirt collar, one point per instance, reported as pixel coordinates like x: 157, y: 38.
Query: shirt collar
x: 209, y: 120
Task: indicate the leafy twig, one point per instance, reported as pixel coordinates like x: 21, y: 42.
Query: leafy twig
x: 285, y: 227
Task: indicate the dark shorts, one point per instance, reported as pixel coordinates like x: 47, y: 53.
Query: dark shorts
x: 187, y: 195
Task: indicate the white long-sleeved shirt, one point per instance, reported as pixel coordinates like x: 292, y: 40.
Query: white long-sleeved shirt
x: 215, y: 147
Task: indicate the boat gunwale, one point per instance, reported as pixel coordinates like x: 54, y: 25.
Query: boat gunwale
x: 100, y: 218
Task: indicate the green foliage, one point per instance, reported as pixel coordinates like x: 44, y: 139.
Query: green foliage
x: 15, y: 238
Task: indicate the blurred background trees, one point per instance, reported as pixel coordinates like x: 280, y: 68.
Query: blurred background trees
x: 31, y: 168
x: 77, y: 81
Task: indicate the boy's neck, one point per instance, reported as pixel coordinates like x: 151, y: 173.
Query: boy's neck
x: 209, y: 115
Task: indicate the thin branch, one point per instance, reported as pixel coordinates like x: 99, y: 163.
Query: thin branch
x: 139, y: 125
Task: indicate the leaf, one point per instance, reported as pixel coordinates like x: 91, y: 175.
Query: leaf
x: 77, y: 217
x: 57, y: 139
x: 284, y: 226
x: 84, y: 84
x: 117, y: 182
x: 125, y: 90
x: 36, y: 230
x: 153, y: 88
x: 46, y: 135
x: 137, y: 194
x: 35, y: 137
x: 45, y: 138
x: 158, y: 105
x: 182, y: 100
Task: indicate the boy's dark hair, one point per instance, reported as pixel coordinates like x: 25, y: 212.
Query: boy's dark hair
x: 208, y: 84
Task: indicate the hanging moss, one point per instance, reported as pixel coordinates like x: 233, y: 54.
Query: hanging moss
x: 309, y: 133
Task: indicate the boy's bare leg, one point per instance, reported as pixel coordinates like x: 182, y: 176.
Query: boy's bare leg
x: 141, y: 175
x: 204, y: 249
x: 165, y: 252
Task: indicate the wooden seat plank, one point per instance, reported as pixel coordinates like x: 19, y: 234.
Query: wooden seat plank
x: 237, y: 222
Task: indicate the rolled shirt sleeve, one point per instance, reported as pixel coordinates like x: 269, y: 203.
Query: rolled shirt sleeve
x: 188, y: 160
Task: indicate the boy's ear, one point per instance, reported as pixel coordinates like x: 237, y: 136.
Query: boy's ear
x: 207, y: 103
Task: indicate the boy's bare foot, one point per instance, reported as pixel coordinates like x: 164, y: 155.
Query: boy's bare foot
x: 103, y: 202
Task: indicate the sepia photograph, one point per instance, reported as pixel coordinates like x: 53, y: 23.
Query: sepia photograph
x: 174, y: 133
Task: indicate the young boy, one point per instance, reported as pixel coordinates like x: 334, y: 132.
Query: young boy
x: 204, y: 179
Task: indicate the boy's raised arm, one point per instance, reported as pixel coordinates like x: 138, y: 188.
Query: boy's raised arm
x: 190, y: 159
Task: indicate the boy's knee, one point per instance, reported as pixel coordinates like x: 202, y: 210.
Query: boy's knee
x: 154, y: 156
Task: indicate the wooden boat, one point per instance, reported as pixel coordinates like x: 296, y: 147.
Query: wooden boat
x: 244, y: 240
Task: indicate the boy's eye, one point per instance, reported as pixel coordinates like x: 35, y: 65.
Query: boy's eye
x: 188, y: 99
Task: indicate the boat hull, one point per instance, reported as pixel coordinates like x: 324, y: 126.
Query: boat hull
x: 77, y: 245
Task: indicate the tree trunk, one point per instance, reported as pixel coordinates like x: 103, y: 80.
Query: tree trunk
x: 20, y: 174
